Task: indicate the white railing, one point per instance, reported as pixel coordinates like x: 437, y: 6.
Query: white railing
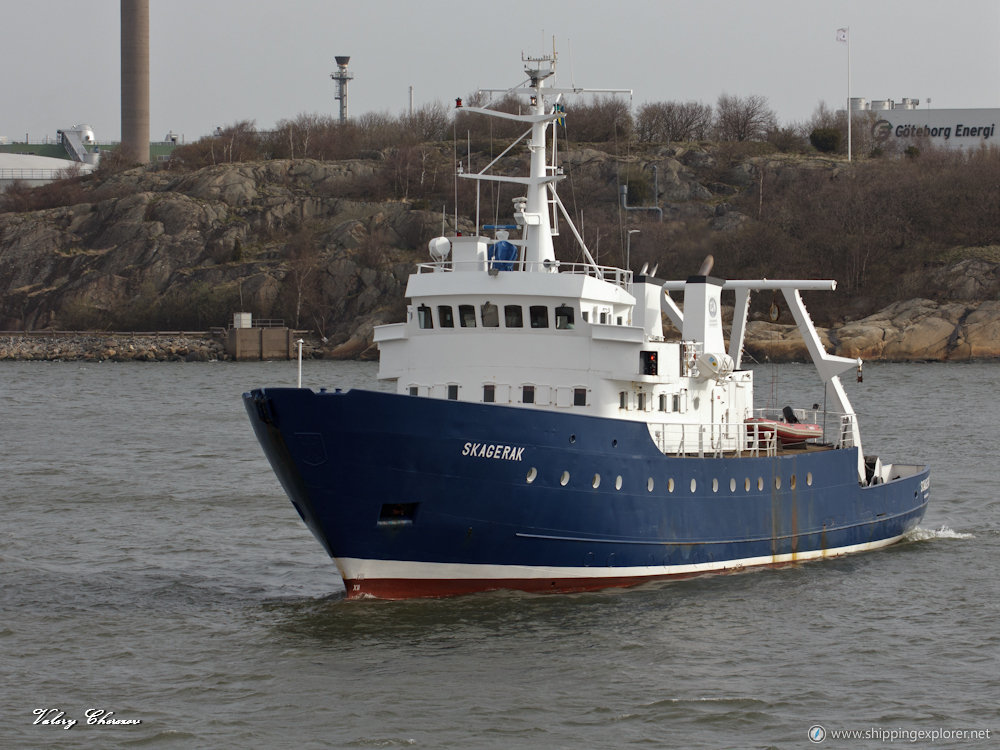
x: 838, y: 428
x: 56, y: 140
x: 715, y: 440
x: 618, y: 276
x: 36, y: 174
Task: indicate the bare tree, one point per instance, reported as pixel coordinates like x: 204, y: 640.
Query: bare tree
x: 430, y: 122
x: 303, y: 260
x: 239, y: 141
x: 604, y: 120
x: 824, y: 117
x: 743, y: 118
x: 660, y: 122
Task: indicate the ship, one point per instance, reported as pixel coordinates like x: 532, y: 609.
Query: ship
x: 544, y: 435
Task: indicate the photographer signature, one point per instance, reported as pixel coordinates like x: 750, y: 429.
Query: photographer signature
x: 55, y: 717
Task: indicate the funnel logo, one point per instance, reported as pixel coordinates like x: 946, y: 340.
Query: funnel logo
x: 881, y: 130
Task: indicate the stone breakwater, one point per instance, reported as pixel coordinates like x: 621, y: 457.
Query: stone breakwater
x: 116, y: 347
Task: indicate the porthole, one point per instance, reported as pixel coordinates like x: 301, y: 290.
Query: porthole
x: 614, y: 443
x: 572, y: 438
x: 597, y: 481
x: 670, y: 484
x: 809, y: 478
x: 649, y: 484
x: 777, y: 483
x: 564, y: 479
x: 746, y: 484
x: 715, y: 485
x: 532, y: 473
x: 694, y: 484
x: 760, y: 483
x: 792, y: 482
x: 732, y: 484
x: 618, y: 482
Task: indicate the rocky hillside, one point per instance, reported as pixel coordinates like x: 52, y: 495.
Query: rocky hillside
x: 304, y: 241
x: 156, y: 250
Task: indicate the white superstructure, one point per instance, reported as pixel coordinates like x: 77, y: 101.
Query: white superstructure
x: 593, y: 335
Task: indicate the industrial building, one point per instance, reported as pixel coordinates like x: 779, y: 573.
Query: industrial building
x: 899, y: 125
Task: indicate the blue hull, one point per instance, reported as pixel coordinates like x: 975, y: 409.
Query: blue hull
x: 429, y: 497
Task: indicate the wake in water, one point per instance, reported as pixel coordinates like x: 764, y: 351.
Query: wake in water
x: 920, y: 535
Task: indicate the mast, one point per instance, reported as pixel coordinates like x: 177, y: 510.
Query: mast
x: 533, y: 214
x: 539, y: 249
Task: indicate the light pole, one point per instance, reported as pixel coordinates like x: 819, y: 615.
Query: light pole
x: 628, y: 248
x: 300, y: 342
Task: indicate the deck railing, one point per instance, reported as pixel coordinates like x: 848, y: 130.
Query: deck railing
x: 612, y: 274
x: 838, y: 427
x: 715, y: 439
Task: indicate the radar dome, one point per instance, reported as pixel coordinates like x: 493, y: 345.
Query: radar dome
x: 439, y: 247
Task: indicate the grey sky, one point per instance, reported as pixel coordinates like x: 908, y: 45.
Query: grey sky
x: 215, y: 62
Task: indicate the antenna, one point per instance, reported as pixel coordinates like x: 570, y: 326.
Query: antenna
x: 342, y: 75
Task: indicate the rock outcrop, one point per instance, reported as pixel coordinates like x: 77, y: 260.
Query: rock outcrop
x: 157, y: 249
x: 292, y: 239
x: 914, y: 330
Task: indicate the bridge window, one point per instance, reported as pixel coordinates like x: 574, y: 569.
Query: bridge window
x: 453, y: 392
x: 446, y: 317
x: 622, y: 400
x: 641, y: 401
x: 528, y: 394
x: 424, y: 317
x: 414, y: 390
x: 564, y: 317
x: 513, y: 316
x: 490, y: 315
x: 489, y: 393
x: 539, y: 316
x: 663, y: 402
x: 467, y: 316
x: 579, y: 397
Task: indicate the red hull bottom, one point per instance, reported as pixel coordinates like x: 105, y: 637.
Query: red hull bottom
x: 389, y: 587
x: 409, y: 588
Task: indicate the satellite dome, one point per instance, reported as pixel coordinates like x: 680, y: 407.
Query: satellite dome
x: 439, y: 248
